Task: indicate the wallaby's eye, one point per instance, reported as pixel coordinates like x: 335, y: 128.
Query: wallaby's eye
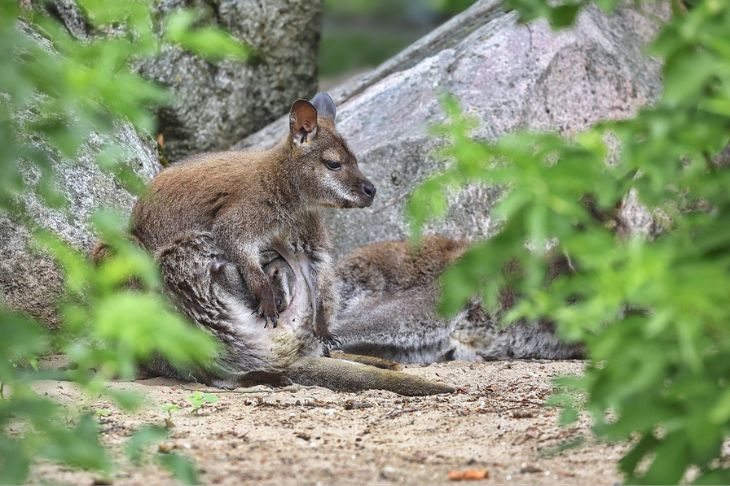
x: 332, y: 164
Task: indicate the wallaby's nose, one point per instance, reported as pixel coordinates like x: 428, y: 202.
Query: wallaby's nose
x: 369, y: 189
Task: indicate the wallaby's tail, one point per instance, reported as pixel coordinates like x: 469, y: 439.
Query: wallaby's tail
x: 342, y: 375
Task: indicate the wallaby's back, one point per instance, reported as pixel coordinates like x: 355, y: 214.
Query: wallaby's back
x: 188, y: 196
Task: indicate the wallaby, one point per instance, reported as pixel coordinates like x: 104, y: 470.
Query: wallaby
x: 248, y: 199
x: 389, y: 293
x: 209, y: 290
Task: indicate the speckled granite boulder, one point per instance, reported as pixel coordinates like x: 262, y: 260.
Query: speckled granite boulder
x: 215, y: 104
x: 30, y: 281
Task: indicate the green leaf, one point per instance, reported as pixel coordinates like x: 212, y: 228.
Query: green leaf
x: 22, y: 336
x: 181, y: 467
x: 78, y: 446
x: 141, y: 439
x: 14, y: 464
x: 210, y: 42
x: 670, y: 461
x: 564, y: 15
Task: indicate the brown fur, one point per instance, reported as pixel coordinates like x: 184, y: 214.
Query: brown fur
x: 249, y: 199
x: 100, y: 252
x: 396, y: 265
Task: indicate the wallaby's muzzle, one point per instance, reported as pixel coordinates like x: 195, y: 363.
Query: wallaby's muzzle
x: 367, y: 194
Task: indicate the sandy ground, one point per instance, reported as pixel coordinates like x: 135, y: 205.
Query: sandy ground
x: 307, y: 435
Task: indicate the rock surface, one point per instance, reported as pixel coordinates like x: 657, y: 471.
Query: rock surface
x: 30, y: 280
x: 509, y: 76
x: 215, y: 104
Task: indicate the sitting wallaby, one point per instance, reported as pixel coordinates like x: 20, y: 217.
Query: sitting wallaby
x: 247, y: 200
x: 209, y: 290
x: 388, y: 295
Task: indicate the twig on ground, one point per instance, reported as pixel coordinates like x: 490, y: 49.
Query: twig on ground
x: 396, y: 412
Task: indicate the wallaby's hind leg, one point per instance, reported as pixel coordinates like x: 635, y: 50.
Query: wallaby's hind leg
x: 381, y: 363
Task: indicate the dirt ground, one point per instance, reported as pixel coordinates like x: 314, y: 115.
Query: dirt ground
x: 308, y: 435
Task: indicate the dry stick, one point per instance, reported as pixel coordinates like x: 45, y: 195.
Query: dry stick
x: 396, y: 412
x: 521, y: 402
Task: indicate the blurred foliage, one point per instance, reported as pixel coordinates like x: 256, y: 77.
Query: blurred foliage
x: 348, y: 50
x: 199, y: 400
x: 653, y: 312
x: 359, y: 34
x: 56, y: 92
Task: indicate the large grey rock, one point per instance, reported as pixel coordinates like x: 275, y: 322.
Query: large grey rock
x: 215, y: 104
x: 509, y: 76
x: 30, y: 280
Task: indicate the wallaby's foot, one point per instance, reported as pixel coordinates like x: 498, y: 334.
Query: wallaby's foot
x: 381, y: 363
x: 217, y: 266
x: 269, y: 378
x: 226, y: 274
x: 279, y: 299
x: 280, y: 305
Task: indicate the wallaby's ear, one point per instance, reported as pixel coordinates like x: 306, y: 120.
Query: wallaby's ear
x: 325, y: 106
x: 302, y: 122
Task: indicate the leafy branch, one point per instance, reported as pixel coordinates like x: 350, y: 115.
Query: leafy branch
x: 58, y: 93
x: 652, y: 311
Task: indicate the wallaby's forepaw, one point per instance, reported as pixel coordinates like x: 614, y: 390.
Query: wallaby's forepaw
x: 268, y: 317
x: 267, y: 307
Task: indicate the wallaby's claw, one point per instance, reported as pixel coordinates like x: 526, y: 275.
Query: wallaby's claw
x: 300, y: 247
x: 329, y: 340
x: 273, y: 318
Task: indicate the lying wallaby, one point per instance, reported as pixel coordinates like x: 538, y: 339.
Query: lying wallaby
x: 208, y: 289
x: 388, y: 296
x: 247, y: 200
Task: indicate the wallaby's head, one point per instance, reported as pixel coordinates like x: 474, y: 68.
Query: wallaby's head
x: 326, y: 170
